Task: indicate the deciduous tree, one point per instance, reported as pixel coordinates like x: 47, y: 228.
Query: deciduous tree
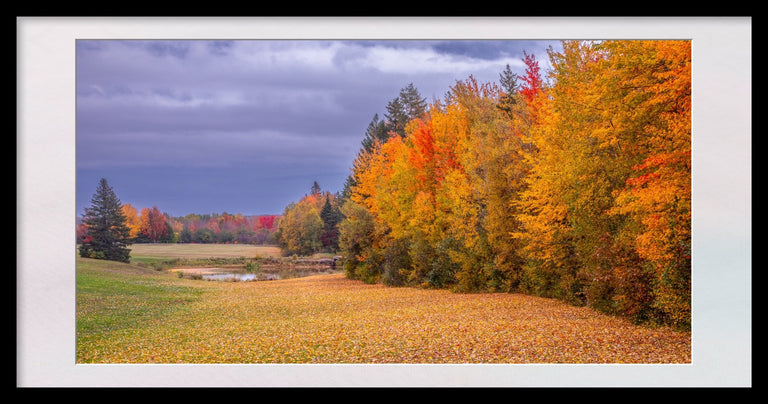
x: 153, y: 225
x: 132, y: 220
x: 356, y: 241
x: 654, y: 78
x: 577, y: 187
x: 301, y: 227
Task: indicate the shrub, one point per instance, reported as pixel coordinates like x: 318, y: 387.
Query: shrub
x: 443, y: 271
x: 396, y: 263
x: 253, y: 267
x: 97, y: 255
x: 368, y: 273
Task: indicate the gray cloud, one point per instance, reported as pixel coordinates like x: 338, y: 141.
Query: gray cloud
x: 230, y: 111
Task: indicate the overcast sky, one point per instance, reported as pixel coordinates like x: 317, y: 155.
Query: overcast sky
x: 247, y: 126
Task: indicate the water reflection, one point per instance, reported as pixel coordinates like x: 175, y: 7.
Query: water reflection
x: 265, y: 272
x: 240, y: 277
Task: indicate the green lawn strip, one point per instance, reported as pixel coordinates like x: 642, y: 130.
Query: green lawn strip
x: 114, y: 296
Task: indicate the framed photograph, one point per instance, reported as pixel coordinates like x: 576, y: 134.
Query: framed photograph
x: 480, y: 201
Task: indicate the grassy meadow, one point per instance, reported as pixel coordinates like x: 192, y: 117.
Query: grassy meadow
x: 134, y: 313
x: 165, y: 255
x: 165, y: 250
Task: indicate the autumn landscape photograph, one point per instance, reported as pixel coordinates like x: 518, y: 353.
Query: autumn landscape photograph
x: 383, y: 211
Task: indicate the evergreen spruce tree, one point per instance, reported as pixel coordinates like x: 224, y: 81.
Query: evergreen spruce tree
x: 408, y: 105
x: 413, y: 103
x: 331, y: 216
x: 396, y: 117
x: 509, y: 86
x: 107, y: 233
x: 315, y: 190
x: 377, y: 131
x: 346, y: 193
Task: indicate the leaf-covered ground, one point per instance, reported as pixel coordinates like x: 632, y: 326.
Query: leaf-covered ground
x: 156, y: 318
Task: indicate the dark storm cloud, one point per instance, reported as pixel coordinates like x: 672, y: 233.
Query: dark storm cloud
x: 490, y: 49
x: 262, y: 114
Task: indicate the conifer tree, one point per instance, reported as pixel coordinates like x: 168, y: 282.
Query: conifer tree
x: 509, y: 87
x: 408, y: 105
x: 396, y: 117
x: 377, y: 131
x: 413, y: 103
x: 107, y: 233
x: 315, y: 189
x: 331, y: 217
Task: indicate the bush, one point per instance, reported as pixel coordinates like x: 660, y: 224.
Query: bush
x: 443, y: 271
x: 350, y: 267
x: 422, y: 256
x: 369, y: 269
x: 396, y: 263
x: 253, y: 267
x: 368, y: 273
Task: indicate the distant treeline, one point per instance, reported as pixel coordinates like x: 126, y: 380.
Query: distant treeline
x: 150, y: 225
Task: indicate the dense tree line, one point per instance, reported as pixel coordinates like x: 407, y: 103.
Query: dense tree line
x: 224, y: 228
x: 150, y: 225
x: 576, y: 187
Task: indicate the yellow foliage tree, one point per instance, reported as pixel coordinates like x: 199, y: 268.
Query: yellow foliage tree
x: 657, y: 197
x: 489, y: 153
x: 132, y: 220
x: 300, y: 227
x: 578, y: 189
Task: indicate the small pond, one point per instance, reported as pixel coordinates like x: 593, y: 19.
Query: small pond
x: 239, y: 277
x: 265, y: 273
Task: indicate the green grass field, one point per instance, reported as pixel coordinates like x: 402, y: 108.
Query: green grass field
x: 128, y: 313
x: 164, y: 256
x: 161, y: 250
